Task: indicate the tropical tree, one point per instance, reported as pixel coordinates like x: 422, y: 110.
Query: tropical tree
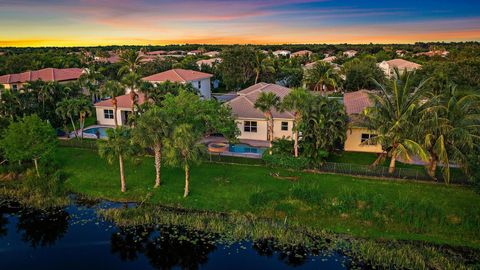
x: 262, y: 64
x: 450, y: 126
x: 132, y: 81
x: 113, y: 89
x: 91, y: 80
x: 391, y: 116
x: 31, y: 138
x: 184, y: 149
x: 320, y: 76
x: 267, y: 102
x: 323, y: 127
x: 117, y: 146
x: 152, y: 128
x: 84, y: 109
x: 157, y: 92
x: 68, y: 109
x: 296, y: 101
x: 237, y: 67
x: 130, y: 61
x: 46, y: 92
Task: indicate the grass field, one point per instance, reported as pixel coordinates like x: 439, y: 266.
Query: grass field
x: 341, y: 204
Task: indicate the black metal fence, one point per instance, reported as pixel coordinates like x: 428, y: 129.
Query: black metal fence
x: 77, y: 143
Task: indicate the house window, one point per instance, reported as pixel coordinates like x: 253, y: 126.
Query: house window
x: 285, y: 126
x: 250, y: 126
x: 199, y: 84
x: 14, y: 87
x: 366, y: 137
x: 108, y: 114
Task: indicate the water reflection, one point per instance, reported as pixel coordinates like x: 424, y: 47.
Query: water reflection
x: 166, y: 248
x: 42, y: 228
x: 291, y: 255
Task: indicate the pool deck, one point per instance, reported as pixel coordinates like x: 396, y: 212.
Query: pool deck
x: 254, y: 143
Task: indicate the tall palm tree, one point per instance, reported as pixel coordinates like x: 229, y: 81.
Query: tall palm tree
x: 84, y: 109
x: 296, y: 101
x: 113, y: 89
x: 132, y: 81
x: 91, y: 80
x: 184, y: 149
x: 46, y: 92
x: 118, y: 145
x: 320, y: 76
x: 68, y: 109
x: 262, y: 64
x: 450, y: 126
x: 151, y: 130
x: 394, y: 108
x: 267, y: 102
x: 130, y: 61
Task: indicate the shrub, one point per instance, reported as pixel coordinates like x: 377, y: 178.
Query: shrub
x: 285, y: 161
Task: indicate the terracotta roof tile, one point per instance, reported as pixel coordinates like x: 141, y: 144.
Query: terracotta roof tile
x: 178, y: 75
x: 356, y: 102
x: 46, y: 74
x: 123, y: 101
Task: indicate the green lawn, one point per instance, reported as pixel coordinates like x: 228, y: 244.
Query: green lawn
x: 342, y: 204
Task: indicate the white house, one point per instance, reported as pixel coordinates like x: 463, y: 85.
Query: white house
x: 279, y: 53
x: 402, y: 65
x: 306, y: 53
x: 199, y: 80
x: 106, y: 114
x: 208, y: 62
x: 350, y: 53
x: 212, y: 54
x: 252, y: 122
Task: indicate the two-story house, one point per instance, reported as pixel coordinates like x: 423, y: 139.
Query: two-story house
x: 62, y: 75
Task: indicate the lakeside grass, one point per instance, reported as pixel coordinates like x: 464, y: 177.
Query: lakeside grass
x: 342, y: 204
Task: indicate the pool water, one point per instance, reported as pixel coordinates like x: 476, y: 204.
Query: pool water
x: 245, y: 148
x: 102, y: 131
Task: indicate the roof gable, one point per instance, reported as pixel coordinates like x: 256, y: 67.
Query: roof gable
x: 178, y: 75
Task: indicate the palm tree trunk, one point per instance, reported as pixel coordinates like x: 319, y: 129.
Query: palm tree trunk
x: 74, y: 128
x: 82, y: 123
x: 35, y: 161
x: 158, y: 163
x: 432, y: 166
x: 115, y: 112
x: 379, y: 159
x: 133, y: 99
x: 257, y: 76
x: 391, y: 168
x: 187, y: 179
x: 295, y: 142
x: 122, y: 174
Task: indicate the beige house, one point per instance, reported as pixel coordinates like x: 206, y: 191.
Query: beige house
x: 61, y: 75
x: 402, y: 65
x: 306, y: 53
x: 355, y: 103
x: 106, y: 114
x: 350, y: 53
x: 252, y: 122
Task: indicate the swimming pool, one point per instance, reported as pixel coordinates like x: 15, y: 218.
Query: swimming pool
x: 93, y: 131
x: 245, y: 148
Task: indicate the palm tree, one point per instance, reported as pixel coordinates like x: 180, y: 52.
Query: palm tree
x: 262, y: 64
x: 132, y: 81
x: 183, y: 148
x: 151, y: 130
x: 91, y: 80
x: 130, y: 61
x: 84, y: 109
x: 450, y: 129
x: 67, y: 109
x: 391, y: 116
x: 113, y: 89
x: 119, y: 145
x: 266, y: 102
x: 296, y: 101
x: 320, y: 76
x: 46, y: 92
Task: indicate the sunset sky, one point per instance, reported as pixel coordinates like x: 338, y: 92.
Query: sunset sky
x: 107, y: 22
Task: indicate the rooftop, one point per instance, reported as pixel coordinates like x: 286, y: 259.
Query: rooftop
x: 356, y: 102
x: 123, y: 101
x: 46, y: 74
x: 402, y: 64
x: 178, y: 75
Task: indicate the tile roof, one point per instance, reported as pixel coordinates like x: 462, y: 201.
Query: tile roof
x: 178, y: 75
x: 301, y: 53
x: 46, y: 74
x: 209, y: 62
x: 402, y: 64
x: 123, y: 101
x: 356, y: 102
x: 244, y: 104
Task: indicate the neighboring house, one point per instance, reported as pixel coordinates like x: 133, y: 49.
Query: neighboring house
x: 402, y: 65
x: 208, y: 62
x: 350, y: 53
x: 156, y: 53
x: 306, y: 53
x: 112, y: 58
x: 329, y: 59
x: 212, y: 54
x: 199, y: 80
x: 105, y: 113
x: 401, y: 52
x: 441, y: 53
x: 355, y: 103
x: 311, y: 65
x: 63, y: 75
x: 279, y: 53
x: 252, y: 122
x: 195, y: 52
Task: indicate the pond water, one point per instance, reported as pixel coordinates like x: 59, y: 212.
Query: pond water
x: 74, y: 238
